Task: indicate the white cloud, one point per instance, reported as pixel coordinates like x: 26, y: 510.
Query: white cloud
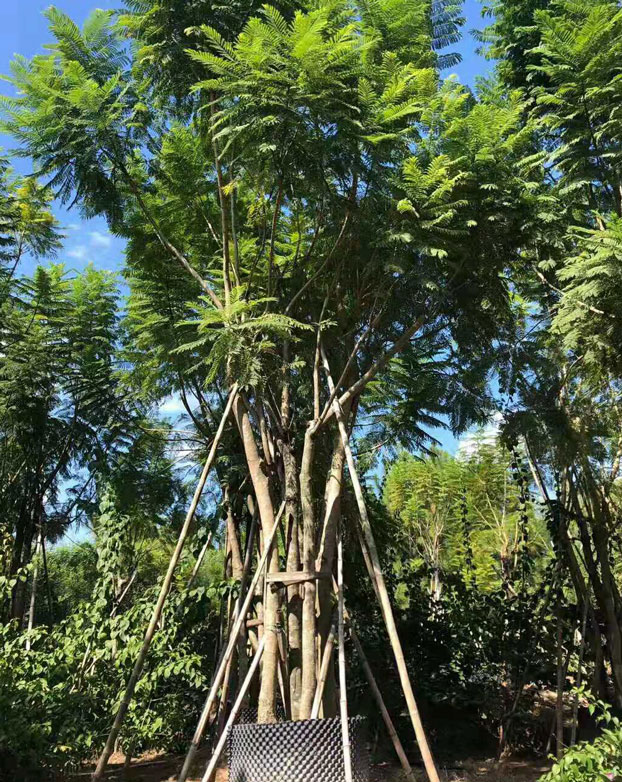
x: 172, y: 407
x: 79, y: 252
x: 489, y: 435
x: 100, y: 239
x: 73, y: 227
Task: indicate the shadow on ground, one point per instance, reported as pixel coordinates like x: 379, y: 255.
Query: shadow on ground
x: 165, y: 768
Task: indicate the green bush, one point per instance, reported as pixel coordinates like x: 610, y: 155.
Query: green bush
x: 60, y: 686
x: 592, y: 761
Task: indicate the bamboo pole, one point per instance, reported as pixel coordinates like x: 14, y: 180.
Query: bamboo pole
x: 226, y: 621
x: 46, y: 573
x: 559, y: 705
x: 373, y: 685
x: 367, y: 561
x: 228, y: 651
x: 164, y: 590
x: 371, y: 679
x: 211, y: 767
x: 243, y: 637
x: 283, y: 676
x: 199, y: 561
x: 33, y: 591
x: 224, y: 696
x: 378, y: 578
x: 319, y: 691
x: 575, y: 704
x: 343, y: 694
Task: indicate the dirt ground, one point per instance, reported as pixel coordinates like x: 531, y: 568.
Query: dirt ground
x: 164, y: 768
x: 491, y: 771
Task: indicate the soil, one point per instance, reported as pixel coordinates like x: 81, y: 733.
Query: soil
x: 164, y: 768
x: 491, y: 771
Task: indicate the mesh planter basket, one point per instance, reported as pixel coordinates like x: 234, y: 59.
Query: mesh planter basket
x: 249, y: 714
x: 303, y: 751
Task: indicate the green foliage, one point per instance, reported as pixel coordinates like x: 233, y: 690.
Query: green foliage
x: 305, y: 91
x: 576, y: 102
x: 597, y: 760
x: 26, y: 225
x: 72, y: 573
x: 581, y: 97
x: 467, y: 559
x: 283, y: 85
x: 58, y: 696
x: 234, y: 339
x: 158, y: 27
x: 75, y: 113
x: 412, y: 30
x: 58, y: 400
x: 426, y: 497
x: 464, y: 517
x: 587, y: 316
x: 511, y: 37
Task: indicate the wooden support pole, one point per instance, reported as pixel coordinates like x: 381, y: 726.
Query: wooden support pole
x: 164, y: 590
x: 343, y: 693
x: 211, y: 767
x: 378, y: 578
x: 228, y: 651
x: 297, y: 577
x: 236, y: 611
x: 559, y: 704
x: 373, y: 685
x: 33, y: 591
x: 224, y: 696
x: 46, y: 573
x: 283, y: 673
x: 321, y: 682
x: 579, y: 678
x: 371, y: 679
x: 199, y: 561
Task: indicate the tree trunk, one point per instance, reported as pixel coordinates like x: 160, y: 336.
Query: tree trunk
x: 33, y: 592
x: 22, y: 550
x: 332, y: 514
x: 559, y: 706
x: 611, y: 605
x: 595, y: 539
x: 294, y: 602
x: 579, y: 679
x: 309, y: 649
x: 581, y: 588
x: 266, y: 711
x: 233, y: 538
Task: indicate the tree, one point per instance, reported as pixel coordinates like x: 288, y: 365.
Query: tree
x: 66, y: 424
x: 565, y: 382
x: 426, y: 497
x: 466, y: 517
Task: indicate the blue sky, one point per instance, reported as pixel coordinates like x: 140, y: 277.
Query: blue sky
x: 24, y: 30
